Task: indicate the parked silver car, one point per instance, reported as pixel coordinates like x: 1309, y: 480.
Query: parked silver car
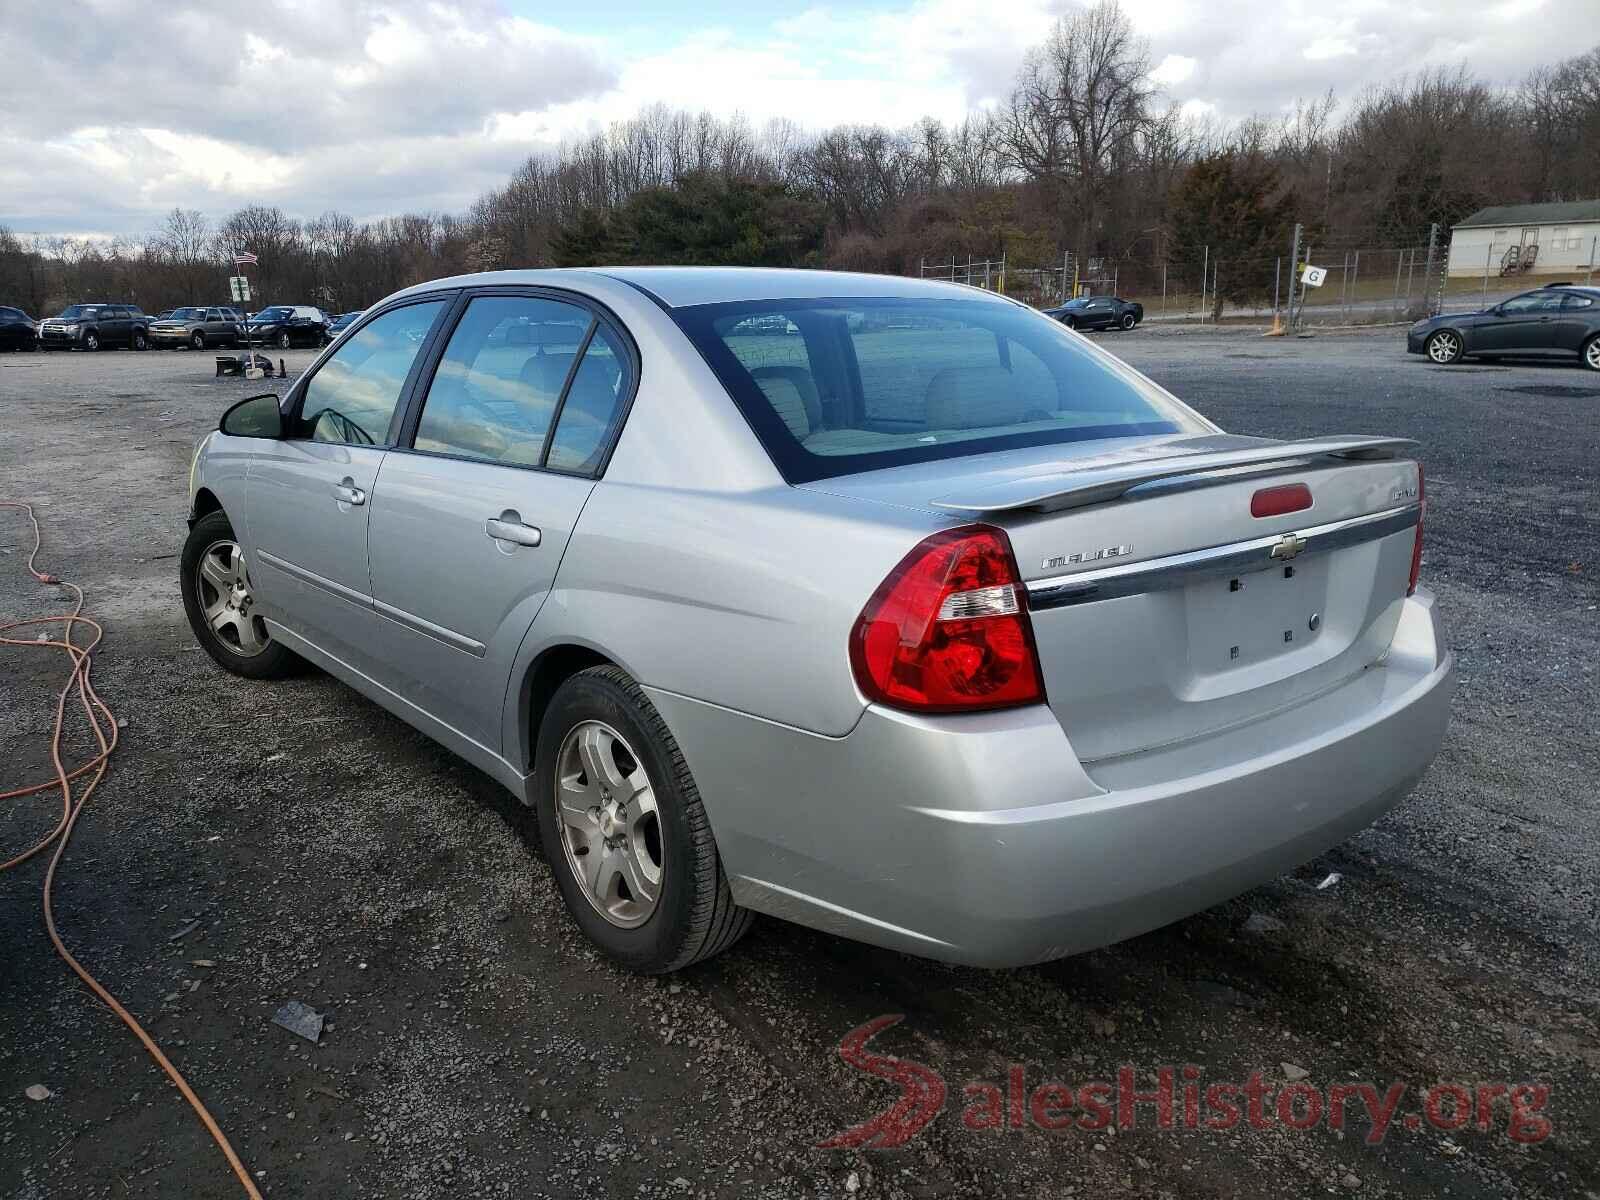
x: 888, y: 607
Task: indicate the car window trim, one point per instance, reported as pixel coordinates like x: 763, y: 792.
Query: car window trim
x: 403, y: 442
x: 295, y: 402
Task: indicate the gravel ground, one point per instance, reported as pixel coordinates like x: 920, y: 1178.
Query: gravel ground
x: 475, y: 1046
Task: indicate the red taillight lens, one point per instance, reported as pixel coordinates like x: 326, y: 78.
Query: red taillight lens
x: 1416, y: 546
x: 1275, y: 501
x: 948, y: 630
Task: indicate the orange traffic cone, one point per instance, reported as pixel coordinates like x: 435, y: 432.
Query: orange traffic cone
x: 1277, y: 327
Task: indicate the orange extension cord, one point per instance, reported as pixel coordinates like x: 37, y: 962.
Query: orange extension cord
x: 106, y: 735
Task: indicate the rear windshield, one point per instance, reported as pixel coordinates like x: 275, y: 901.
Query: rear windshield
x: 832, y: 387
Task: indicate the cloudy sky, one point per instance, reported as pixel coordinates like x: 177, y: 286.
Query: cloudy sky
x: 113, y: 112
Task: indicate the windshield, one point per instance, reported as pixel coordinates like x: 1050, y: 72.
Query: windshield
x: 82, y: 310
x: 832, y: 387
x: 279, y: 313
x: 1075, y: 304
x: 187, y: 314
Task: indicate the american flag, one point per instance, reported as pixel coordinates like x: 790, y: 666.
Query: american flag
x: 240, y: 257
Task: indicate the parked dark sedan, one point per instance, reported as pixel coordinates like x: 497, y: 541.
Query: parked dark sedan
x: 1098, y: 312
x: 343, y: 321
x: 1556, y: 321
x: 285, y: 325
x: 18, y: 331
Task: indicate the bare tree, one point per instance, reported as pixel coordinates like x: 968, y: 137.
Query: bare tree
x: 1081, y: 104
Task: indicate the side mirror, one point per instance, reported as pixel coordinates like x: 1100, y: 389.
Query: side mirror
x: 254, y: 417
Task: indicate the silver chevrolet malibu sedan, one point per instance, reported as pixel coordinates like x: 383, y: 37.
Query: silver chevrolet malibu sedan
x: 888, y: 607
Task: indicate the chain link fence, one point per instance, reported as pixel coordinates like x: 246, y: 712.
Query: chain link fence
x: 1350, y: 284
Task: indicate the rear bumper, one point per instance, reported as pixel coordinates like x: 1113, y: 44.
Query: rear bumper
x: 984, y: 840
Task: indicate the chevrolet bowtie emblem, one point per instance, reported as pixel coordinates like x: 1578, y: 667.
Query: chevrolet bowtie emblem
x: 1288, y: 546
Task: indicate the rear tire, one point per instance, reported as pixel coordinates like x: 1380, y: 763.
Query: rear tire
x: 1444, y: 347
x: 1591, y: 353
x: 140, y: 342
x: 218, y: 599
x: 1128, y: 321
x: 640, y: 783
x: 283, y: 340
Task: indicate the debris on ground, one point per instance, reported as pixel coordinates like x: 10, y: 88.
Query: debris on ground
x: 38, y: 1091
x: 184, y: 932
x: 300, y: 1019
x: 1333, y: 878
x: 1292, y: 1072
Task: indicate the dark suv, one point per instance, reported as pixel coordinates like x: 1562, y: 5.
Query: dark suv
x: 198, y: 327
x: 91, y: 326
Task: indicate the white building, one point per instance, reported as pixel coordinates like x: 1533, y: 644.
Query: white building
x: 1529, y: 239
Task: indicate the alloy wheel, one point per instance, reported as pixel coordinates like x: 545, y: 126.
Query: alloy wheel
x: 1591, y: 354
x: 610, y: 827
x: 1444, y: 347
x: 227, y: 602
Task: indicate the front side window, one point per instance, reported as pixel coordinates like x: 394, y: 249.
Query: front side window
x: 495, y: 393
x: 352, y: 397
x: 274, y: 314
x: 870, y: 383
x: 1519, y: 305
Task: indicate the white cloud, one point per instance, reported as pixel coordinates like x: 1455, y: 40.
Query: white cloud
x: 1174, y: 69
x: 380, y: 106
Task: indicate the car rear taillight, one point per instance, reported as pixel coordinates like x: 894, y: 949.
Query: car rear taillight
x: 948, y: 630
x: 1416, y: 546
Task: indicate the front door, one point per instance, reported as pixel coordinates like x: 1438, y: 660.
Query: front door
x: 309, y: 495
x: 1522, y: 323
x: 470, y: 522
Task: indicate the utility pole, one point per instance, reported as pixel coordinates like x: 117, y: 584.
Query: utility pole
x: 1205, y: 271
x: 1294, y: 263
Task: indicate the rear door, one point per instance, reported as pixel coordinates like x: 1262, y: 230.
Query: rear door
x: 471, y: 518
x: 308, y: 496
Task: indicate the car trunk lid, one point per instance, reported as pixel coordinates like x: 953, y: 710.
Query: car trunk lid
x: 1163, y: 610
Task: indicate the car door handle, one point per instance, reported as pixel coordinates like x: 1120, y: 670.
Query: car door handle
x: 346, y: 492
x: 508, y: 527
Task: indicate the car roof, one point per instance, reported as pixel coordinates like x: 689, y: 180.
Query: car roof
x: 683, y: 287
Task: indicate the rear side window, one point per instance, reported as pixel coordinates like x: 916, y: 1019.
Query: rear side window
x: 352, y: 397
x: 592, y: 407
x: 495, y: 392
x: 832, y: 387
x: 1572, y: 302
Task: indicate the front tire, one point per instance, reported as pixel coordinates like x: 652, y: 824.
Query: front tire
x: 220, y: 603
x: 625, y: 831
x: 1591, y: 353
x: 283, y: 340
x: 91, y: 341
x: 198, y: 341
x: 1444, y: 347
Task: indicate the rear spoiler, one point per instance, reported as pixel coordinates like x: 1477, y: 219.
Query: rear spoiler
x: 1096, y: 485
